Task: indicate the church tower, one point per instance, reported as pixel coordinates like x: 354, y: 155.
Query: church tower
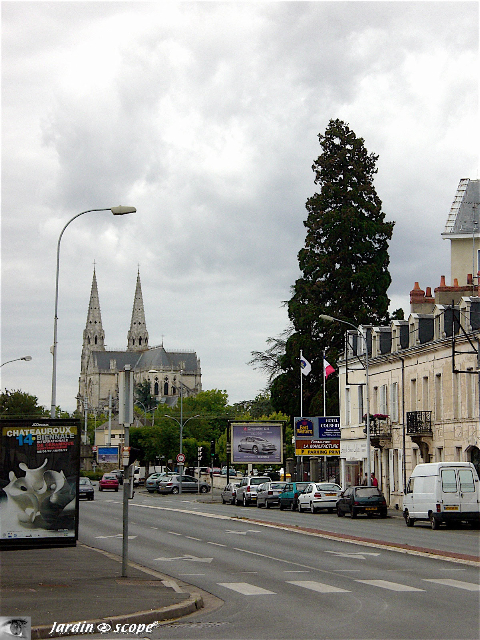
x: 93, y: 334
x: 138, y: 335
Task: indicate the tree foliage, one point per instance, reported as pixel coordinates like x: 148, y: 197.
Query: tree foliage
x: 144, y: 397
x: 344, y: 266
x: 18, y: 403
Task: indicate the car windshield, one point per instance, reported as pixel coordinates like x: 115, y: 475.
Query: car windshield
x: 328, y: 486
x: 110, y: 477
x: 367, y: 492
x: 255, y: 481
x: 84, y: 481
x: 278, y: 485
x: 301, y: 485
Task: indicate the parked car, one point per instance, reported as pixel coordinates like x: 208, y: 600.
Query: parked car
x: 288, y: 499
x: 119, y: 474
x: 231, y: 471
x: 188, y: 484
x: 268, y: 494
x: 151, y: 483
x: 255, y: 444
x: 247, y: 489
x: 443, y: 492
x: 85, y: 488
x: 228, y: 494
x: 108, y: 481
x: 319, y: 495
x: 368, y: 500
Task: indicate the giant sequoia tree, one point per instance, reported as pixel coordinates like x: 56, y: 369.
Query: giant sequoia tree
x: 344, y: 266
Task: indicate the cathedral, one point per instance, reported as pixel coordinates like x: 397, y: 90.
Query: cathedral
x: 170, y: 373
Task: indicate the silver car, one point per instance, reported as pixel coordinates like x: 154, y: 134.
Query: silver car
x: 247, y: 489
x: 229, y: 493
x: 256, y: 444
x: 151, y: 483
x: 268, y: 494
x: 188, y: 484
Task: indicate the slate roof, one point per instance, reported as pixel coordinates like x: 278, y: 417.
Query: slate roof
x: 154, y: 358
x: 463, y: 218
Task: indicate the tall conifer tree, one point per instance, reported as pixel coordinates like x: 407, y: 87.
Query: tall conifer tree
x: 344, y: 266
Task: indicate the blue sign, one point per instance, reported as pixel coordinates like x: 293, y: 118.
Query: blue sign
x: 320, y: 427
x: 329, y: 427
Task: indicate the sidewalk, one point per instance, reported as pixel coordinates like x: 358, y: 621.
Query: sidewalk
x: 82, y: 584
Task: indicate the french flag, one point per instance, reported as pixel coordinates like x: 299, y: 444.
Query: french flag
x: 327, y: 368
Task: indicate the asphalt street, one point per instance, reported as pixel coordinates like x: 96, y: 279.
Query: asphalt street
x: 269, y: 579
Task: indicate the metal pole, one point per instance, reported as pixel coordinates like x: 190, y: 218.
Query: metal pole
x: 180, y: 464
x: 369, y: 464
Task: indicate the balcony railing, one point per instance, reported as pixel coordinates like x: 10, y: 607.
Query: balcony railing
x: 380, y: 426
x: 419, y: 423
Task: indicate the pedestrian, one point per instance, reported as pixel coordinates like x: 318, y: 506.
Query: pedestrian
x: 374, y: 480
x: 365, y: 480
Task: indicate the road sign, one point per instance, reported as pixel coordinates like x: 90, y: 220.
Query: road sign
x: 180, y: 458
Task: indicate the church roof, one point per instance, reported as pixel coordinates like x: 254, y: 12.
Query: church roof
x: 463, y: 218
x: 155, y: 358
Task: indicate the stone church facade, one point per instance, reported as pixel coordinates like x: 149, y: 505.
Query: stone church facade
x: 169, y: 372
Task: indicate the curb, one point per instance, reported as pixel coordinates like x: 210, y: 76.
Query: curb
x: 170, y: 612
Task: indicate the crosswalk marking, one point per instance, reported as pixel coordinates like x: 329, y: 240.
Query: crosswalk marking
x: 448, y: 582
x: 317, y: 586
x: 246, y: 589
x: 392, y: 586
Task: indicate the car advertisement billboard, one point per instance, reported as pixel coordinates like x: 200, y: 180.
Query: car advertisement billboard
x: 257, y: 442
x: 317, y: 436
x: 107, y: 454
x: 39, y: 469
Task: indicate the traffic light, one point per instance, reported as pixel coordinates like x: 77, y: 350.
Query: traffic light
x: 212, y: 447
x: 200, y: 453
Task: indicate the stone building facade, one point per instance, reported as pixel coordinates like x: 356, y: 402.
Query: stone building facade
x: 423, y: 379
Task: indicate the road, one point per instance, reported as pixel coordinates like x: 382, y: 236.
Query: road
x: 278, y: 582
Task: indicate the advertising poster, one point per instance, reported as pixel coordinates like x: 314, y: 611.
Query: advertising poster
x: 39, y: 469
x: 317, y: 436
x: 107, y: 454
x: 257, y: 442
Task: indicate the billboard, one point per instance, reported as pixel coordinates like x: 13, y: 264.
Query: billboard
x: 39, y: 469
x: 107, y: 454
x: 318, y: 436
x: 257, y: 442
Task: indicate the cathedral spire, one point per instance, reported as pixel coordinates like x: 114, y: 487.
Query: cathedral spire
x: 93, y: 335
x: 138, y: 334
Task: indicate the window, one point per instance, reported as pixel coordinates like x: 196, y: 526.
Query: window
x: 470, y: 381
x: 374, y: 405
x: 438, y: 397
x: 449, y: 481
x: 360, y: 405
x: 426, y: 400
x: 467, y: 483
x: 458, y: 454
x: 410, y: 485
x: 383, y: 400
x: 456, y: 404
x: 413, y: 394
x: 347, y: 406
x: 439, y: 454
x: 394, y: 401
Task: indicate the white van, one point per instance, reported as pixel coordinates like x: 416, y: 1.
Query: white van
x: 443, y: 492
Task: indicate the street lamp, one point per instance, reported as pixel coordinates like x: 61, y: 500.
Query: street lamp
x: 117, y: 211
x: 27, y: 358
x: 360, y: 333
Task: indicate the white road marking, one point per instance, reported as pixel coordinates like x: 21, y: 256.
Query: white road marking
x: 392, y: 586
x: 297, y: 571
x: 174, y: 533
x: 355, y: 555
x: 192, y: 538
x: 187, y: 557
x: 243, y: 533
x: 118, y: 535
x: 468, y: 586
x: 246, y: 589
x: 317, y: 586
x: 217, y: 544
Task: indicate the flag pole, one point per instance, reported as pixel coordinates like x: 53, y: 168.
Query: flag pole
x: 301, y: 385
x: 324, y: 385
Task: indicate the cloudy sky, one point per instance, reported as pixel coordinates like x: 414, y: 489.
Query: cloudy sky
x: 205, y: 116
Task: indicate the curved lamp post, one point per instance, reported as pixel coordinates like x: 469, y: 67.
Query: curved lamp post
x: 364, y: 338
x: 117, y: 211
x: 27, y: 358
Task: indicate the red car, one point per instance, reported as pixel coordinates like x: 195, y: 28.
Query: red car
x: 108, y: 481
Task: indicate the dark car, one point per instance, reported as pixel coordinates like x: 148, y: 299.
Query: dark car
x: 108, y: 481
x: 256, y: 445
x: 85, y: 489
x: 119, y: 474
x: 368, y: 500
x: 288, y: 499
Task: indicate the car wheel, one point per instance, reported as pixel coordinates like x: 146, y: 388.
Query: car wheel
x: 232, y: 501
x: 223, y: 500
x: 255, y: 449
x: 116, y: 489
x: 353, y: 512
x: 383, y: 514
x: 340, y: 513
x: 434, y: 523
x: 244, y: 501
x: 299, y: 507
x: 239, y: 448
x: 175, y: 490
x: 280, y: 506
x: 150, y: 490
x: 331, y: 510
x: 408, y: 520
x: 312, y: 508
x: 203, y: 489
x: 92, y: 498
x: 267, y: 504
x: 100, y: 489
x: 293, y: 507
